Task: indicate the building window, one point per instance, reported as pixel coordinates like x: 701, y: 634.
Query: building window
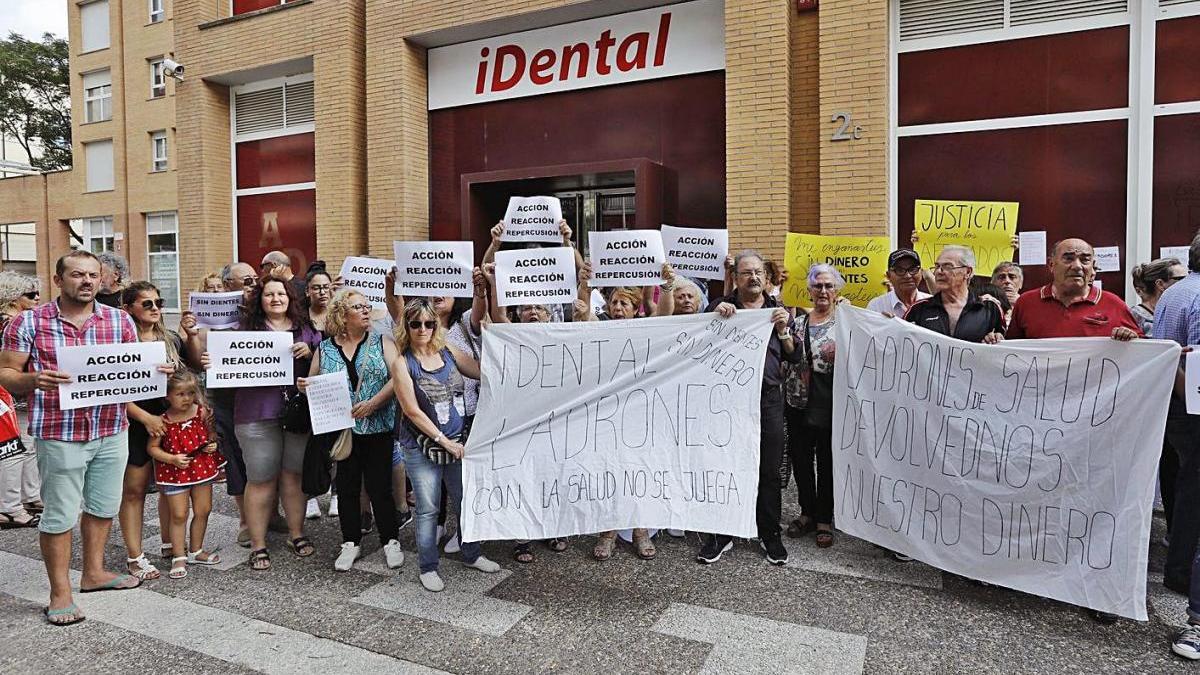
x: 18, y: 247
x: 244, y: 6
x: 97, y: 96
x: 156, y: 11
x: 98, y: 234
x: 158, y: 80
x: 158, y: 151
x: 162, y: 238
x: 98, y: 158
x: 93, y: 26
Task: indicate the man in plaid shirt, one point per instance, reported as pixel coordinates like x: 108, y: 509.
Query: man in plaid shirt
x: 81, y: 454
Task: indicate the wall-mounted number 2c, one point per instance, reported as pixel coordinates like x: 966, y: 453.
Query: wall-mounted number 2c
x: 844, y: 131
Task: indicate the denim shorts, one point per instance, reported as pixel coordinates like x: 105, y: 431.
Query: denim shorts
x: 86, y: 472
x: 169, y: 490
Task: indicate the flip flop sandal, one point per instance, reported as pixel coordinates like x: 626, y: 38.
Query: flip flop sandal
x: 260, y: 560
x: 799, y: 528
x: 145, y: 571
x: 523, y: 554
x: 71, y: 610
x: 824, y: 538
x: 178, y: 572
x: 302, y: 547
x: 558, y: 544
x: 114, y: 584
x: 8, y: 522
x: 193, y: 557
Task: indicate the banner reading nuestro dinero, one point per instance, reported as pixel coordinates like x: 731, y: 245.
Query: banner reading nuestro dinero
x: 1028, y: 464
x: 587, y: 427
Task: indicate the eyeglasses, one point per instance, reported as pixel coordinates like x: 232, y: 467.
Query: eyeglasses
x: 906, y: 271
x: 822, y: 287
x: 323, y: 288
x: 362, y: 306
x: 748, y: 274
x: 415, y: 325
x: 266, y: 265
x: 946, y: 267
x: 151, y: 304
x: 34, y: 295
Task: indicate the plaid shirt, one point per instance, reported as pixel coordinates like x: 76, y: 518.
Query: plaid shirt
x: 39, y: 332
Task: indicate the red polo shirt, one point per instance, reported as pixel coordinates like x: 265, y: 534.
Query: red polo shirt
x: 1038, y: 314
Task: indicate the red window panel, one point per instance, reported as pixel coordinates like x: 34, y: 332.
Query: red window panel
x: 1176, y: 180
x: 1069, y: 72
x: 1177, y: 48
x: 276, y: 161
x: 243, y: 6
x: 1069, y: 179
x: 285, y: 221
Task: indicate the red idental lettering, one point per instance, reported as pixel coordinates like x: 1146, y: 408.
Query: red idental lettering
x: 660, y: 47
x: 541, y: 66
x: 481, y: 78
x: 499, y: 82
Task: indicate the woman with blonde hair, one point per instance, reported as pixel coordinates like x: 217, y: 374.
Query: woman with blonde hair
x: 211, y: 283
x: 18, y: 292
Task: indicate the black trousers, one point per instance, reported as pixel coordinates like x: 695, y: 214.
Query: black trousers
x: 770, y: 503
x: 1168, y: 475
x: 806, y: 444
x: 369, y: 463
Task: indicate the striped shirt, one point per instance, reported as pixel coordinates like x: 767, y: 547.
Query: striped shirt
x: 39, y: 332
x: 1177, y: 314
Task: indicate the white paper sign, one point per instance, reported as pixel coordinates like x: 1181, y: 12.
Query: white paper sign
x: 1033, y: 248
x: 102, y: 374
x: 216, y: 310
x: 1191, y: 381
x: 696, y: 252
x: 329, y: 402
x: 588, y: 427
x: 540, y: 276
x: 366, y: 276
x: 1179, y: 253
x: 257, y: 358
x: 434, y: 268
x: 626, y: 258
x: 532, y: 219
x: 1108, y: 259
x: 1029, y: 464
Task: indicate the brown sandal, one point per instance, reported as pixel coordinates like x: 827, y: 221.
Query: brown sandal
x: 603, y: 550
x: 824, y: 538
x: 643, y: 545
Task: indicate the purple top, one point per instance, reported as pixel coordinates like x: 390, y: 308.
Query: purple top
x: 255, y: 404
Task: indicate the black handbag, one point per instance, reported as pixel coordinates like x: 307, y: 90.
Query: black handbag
x: 295, y: 418
x: 316, y: 478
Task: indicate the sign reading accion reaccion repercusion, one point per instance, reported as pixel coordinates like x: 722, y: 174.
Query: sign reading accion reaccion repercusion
x: 648, y: 44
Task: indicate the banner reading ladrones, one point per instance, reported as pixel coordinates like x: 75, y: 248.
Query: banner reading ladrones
x: 862, y: 262
x: 1028, y: 464
x: 986, y: 228
x: 588, y: 427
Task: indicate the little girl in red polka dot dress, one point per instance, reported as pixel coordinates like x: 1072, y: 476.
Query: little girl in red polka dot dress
x: 186, y: 463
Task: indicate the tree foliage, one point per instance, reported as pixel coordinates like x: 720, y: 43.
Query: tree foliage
x: 35, y: 98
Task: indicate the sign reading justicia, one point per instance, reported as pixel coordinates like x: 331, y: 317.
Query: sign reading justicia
x: 678, y: 39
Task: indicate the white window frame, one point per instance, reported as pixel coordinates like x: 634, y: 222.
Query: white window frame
x: 98, y: 228
x: 101, y: 96
x: 158, y: 160
x: 157, y: 10
x: 158, y: 79
x: 160, y: 217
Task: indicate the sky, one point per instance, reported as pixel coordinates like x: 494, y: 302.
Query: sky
x: 31, y: 18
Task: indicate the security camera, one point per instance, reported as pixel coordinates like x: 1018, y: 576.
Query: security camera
x: 173, y: 69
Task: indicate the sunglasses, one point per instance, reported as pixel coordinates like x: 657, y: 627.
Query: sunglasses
x: 34, y: 295
x: 250, y: 281
x: 429, y: 325
x: 151, y: 304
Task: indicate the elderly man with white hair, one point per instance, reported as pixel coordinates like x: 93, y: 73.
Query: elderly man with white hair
x: 954, y: 309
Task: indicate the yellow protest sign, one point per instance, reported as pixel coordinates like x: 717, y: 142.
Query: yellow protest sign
x: 862, y: 262
x: 986, y: 228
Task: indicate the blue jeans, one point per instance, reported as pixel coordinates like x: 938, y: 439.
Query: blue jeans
x: 426, y: 478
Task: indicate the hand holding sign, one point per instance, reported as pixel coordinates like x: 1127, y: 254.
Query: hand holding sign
x: 532, y: 219
x: 105, y: 374
x: 329, y: 402
x: 249, y: 359
x: 216, y: 310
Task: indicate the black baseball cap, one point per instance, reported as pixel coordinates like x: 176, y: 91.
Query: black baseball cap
x: 902, y: 253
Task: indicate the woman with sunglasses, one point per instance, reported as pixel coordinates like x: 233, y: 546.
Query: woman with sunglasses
x: 274, y: 457
x: 428, y: 380
x: 141, y: 300
x: 20, y: 484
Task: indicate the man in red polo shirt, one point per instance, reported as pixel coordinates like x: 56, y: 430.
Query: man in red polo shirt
x: 1070, y: 306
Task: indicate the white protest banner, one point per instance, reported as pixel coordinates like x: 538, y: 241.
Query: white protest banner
x: 626, y: 258
x: 329, y: 402
x: 216, y: 310
x: 696, y: 251
x: 588, y: 427
x: 532, y: 219
x: 102, y: 374
x: 1029, y: 464
x: 540, y: 276
x: 434, y: 268
x: 257, y: 358
x: 1191, y: 381
x: 366, y: 276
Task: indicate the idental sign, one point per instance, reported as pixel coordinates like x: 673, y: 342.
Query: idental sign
x: 644, y: 45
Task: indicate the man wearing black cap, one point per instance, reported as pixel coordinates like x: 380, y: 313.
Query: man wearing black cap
x: 904, y: 273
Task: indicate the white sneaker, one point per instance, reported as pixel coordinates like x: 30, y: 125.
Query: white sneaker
x: 333, y: 509
x: 484, y: 565
x: 432, y: 582
x: 394, y: 554
x: 453, y: 546
x: 345, y: 560
x: 312, y: 510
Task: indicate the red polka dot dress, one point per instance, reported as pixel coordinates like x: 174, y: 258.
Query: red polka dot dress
x: 188, y: 438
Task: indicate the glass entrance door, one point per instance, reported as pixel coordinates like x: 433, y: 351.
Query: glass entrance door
x: 597, y: 210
